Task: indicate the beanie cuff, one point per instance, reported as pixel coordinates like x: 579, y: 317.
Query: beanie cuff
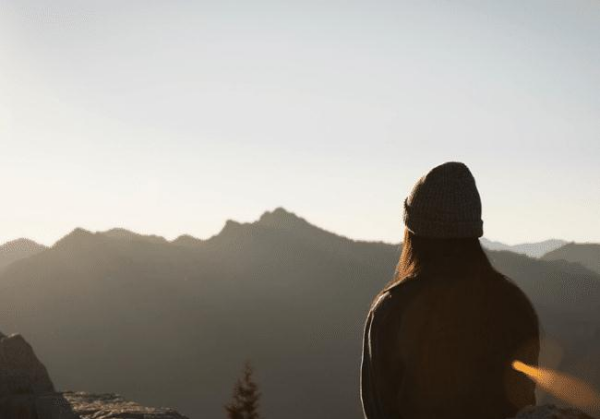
x: 425, y: 227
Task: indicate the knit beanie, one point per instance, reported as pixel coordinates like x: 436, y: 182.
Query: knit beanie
x: 444, y: 203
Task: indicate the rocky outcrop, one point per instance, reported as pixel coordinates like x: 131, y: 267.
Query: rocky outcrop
x: 79, y: 405
x: 550, y: 411
x: 21, y: 372
x: 26, y: 392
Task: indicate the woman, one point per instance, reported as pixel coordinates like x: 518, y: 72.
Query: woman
x: 441, y: 337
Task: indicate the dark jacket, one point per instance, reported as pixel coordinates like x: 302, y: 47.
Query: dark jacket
x: 440, y: 347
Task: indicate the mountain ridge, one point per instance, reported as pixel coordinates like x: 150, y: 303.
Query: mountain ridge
x: 531, y: 249
x: 110, y: 313
x: 282, y: 218
x: 586, y: 254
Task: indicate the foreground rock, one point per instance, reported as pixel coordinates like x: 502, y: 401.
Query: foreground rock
x: 80, y: 405
x: 26, y: 392
x: 550, y: 411
x: 71, y: 405
x: 21, y: 372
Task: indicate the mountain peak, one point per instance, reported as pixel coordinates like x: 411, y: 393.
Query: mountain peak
x: 280, y: 217
x: 122, y: 233
x: 79, y: 233
x: 230, y: 226
x: 118, y: 232
x: 21, y: 244
x: 74, y: 238
x: 187, y: 240
x: 18, y: 249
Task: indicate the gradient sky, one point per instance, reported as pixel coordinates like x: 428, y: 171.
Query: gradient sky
x: 170, y: 117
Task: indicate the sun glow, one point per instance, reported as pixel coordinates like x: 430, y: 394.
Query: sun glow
x: 562, y: 386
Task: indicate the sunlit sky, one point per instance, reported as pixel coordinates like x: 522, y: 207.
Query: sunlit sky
x: 169, y: 117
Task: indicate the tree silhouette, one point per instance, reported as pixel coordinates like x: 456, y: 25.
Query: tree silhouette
x: 245, y: 397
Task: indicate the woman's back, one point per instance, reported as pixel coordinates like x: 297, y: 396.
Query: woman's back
x: 457, y: 338
x: 444, y: 346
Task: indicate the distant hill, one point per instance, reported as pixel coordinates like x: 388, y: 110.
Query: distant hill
x: 15, y: 250
x: 170, y: 323
x: 587, y: 254
x: 534, y: 250
x: 121, y: 233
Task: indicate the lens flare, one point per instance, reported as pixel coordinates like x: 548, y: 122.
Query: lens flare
x: 562, y: 386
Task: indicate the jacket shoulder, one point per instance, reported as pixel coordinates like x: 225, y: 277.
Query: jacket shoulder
x: 402, y: 289
x: 394, y: 297
x: 516, y: 292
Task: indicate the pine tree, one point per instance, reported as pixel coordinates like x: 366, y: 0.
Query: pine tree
x: 245, y: 397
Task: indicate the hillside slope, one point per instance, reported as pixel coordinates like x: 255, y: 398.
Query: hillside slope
x: 587, y: 254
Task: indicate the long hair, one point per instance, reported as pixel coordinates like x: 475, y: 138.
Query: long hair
x: 424, y: 257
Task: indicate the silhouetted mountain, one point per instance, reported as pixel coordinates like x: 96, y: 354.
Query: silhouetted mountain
x: 120, y: 233
x: 15, y: 250
x: 169, y: 323
x: 588, y: 254
x: 187, y: 240
x: 534, y: 250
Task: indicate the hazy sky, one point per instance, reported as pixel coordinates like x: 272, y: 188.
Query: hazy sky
x: 170, y: 117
